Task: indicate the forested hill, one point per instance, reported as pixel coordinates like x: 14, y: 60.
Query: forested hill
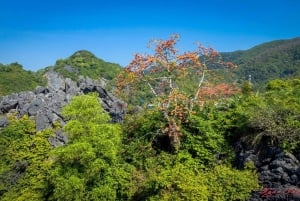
x: 271, y: 60
x: 13, y: 78
x: 86, y: 64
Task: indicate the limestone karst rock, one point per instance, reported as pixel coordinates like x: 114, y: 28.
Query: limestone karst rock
x: 45, y: 103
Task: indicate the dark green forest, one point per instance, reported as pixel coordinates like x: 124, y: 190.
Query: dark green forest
x: 271, y: 60
x: 176, y: 141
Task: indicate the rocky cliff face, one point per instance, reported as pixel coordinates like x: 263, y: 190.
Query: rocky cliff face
x: 45, y: 103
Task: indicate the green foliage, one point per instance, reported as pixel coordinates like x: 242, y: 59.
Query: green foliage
x: 192, y: 173
x: 175, y: 178
x: 143, y: 134
x: 276, y: 85
x: 144, y: 124
x: 86, y: 64
x: 280, y: 118
x: 180, y: 177
x: 88, y: 167
x: 273, y: 114
x: 94, y: 165
x: 13, y: 78
x: 231, y: 117
x: 225, y: 183
x: 141, y: 131
x: 247, y: 88
x: 202, y: 140
x: 24, y: 164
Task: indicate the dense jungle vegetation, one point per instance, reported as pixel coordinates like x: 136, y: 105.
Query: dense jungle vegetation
x: 133, y: 161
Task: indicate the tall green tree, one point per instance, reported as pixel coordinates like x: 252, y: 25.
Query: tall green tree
x: 88, y: 167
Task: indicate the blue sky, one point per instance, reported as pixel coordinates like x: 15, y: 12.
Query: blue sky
x: 37, y: 33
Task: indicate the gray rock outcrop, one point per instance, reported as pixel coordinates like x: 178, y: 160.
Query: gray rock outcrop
x: 279, y: 172
x: 44, y: 105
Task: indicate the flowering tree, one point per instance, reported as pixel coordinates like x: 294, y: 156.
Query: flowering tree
x: 166, y: 73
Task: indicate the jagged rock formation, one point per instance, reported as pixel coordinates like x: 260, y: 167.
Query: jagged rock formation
x: 279, y: 172
x: 45, y: 103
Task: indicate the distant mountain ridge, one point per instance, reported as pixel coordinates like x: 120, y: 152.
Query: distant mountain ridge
x: 267, y: 61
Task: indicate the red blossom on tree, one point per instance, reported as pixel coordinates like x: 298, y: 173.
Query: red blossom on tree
x: 162, y: 73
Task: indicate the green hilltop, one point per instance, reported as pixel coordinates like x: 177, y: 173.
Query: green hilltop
x: 84, y: 63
